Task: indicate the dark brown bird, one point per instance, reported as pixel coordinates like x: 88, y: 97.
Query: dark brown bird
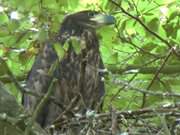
x: 79, y: 74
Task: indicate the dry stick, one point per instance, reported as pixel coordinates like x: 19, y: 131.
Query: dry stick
x: 129, y: 114
x: 156, y: 76
x: 146, y: 27
x: 67, y: 109
x: 114, y: 124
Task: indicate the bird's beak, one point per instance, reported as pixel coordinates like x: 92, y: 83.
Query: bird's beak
x: 103, y: 19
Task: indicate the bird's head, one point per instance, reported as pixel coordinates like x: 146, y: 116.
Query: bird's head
x: 86, y: 20
x: 91, y: 19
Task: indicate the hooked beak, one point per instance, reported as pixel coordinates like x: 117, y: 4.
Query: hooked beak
x: 103, y: 19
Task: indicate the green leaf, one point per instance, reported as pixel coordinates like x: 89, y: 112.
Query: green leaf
x: 43, y: 35
x: 173, y: 15
x: 53, y: 68
x: 113, y: 59
x: 13, y: 25
x: 123, y: 26
x: 66, y: 46
x: 29, y: 4
x: 171, y: 29
x: 149, y: 46
x: 153, y: 25
x: 72, y: 3
x: 3, y: 18
x: 24, y: 57
x: 59, y: 50
x: 77, y: 46
x: 4, y: 32
x: 8, y: 40
x: 3, y: 70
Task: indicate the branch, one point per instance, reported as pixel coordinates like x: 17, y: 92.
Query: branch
x: 7, y: 79
x: 156, y: 76
x: 144, y: 91
x: 131, y: 69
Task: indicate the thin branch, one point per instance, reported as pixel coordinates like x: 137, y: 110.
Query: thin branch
x: 7, y: 79
x: 122, y: 88
x: 144, y: 91
x: 156, y: 76
x: 131, y: 69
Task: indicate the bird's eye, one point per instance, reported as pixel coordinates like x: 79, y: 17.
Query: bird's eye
x: 91, y: 14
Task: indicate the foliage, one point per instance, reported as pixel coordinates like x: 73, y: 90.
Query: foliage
x: 13, y: 118
x: 141, y: 51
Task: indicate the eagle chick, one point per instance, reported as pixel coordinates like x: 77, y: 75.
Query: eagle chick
x: 79, y: 78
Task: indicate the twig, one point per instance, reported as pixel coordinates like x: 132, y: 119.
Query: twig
x: 142, y: 69
x: 160, y: 94
x: 67, y: 109
x: 120, y: 89
x: 114, y: 124
x: 156, y: 76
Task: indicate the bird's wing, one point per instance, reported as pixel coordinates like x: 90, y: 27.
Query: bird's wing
x: 39, y: 78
